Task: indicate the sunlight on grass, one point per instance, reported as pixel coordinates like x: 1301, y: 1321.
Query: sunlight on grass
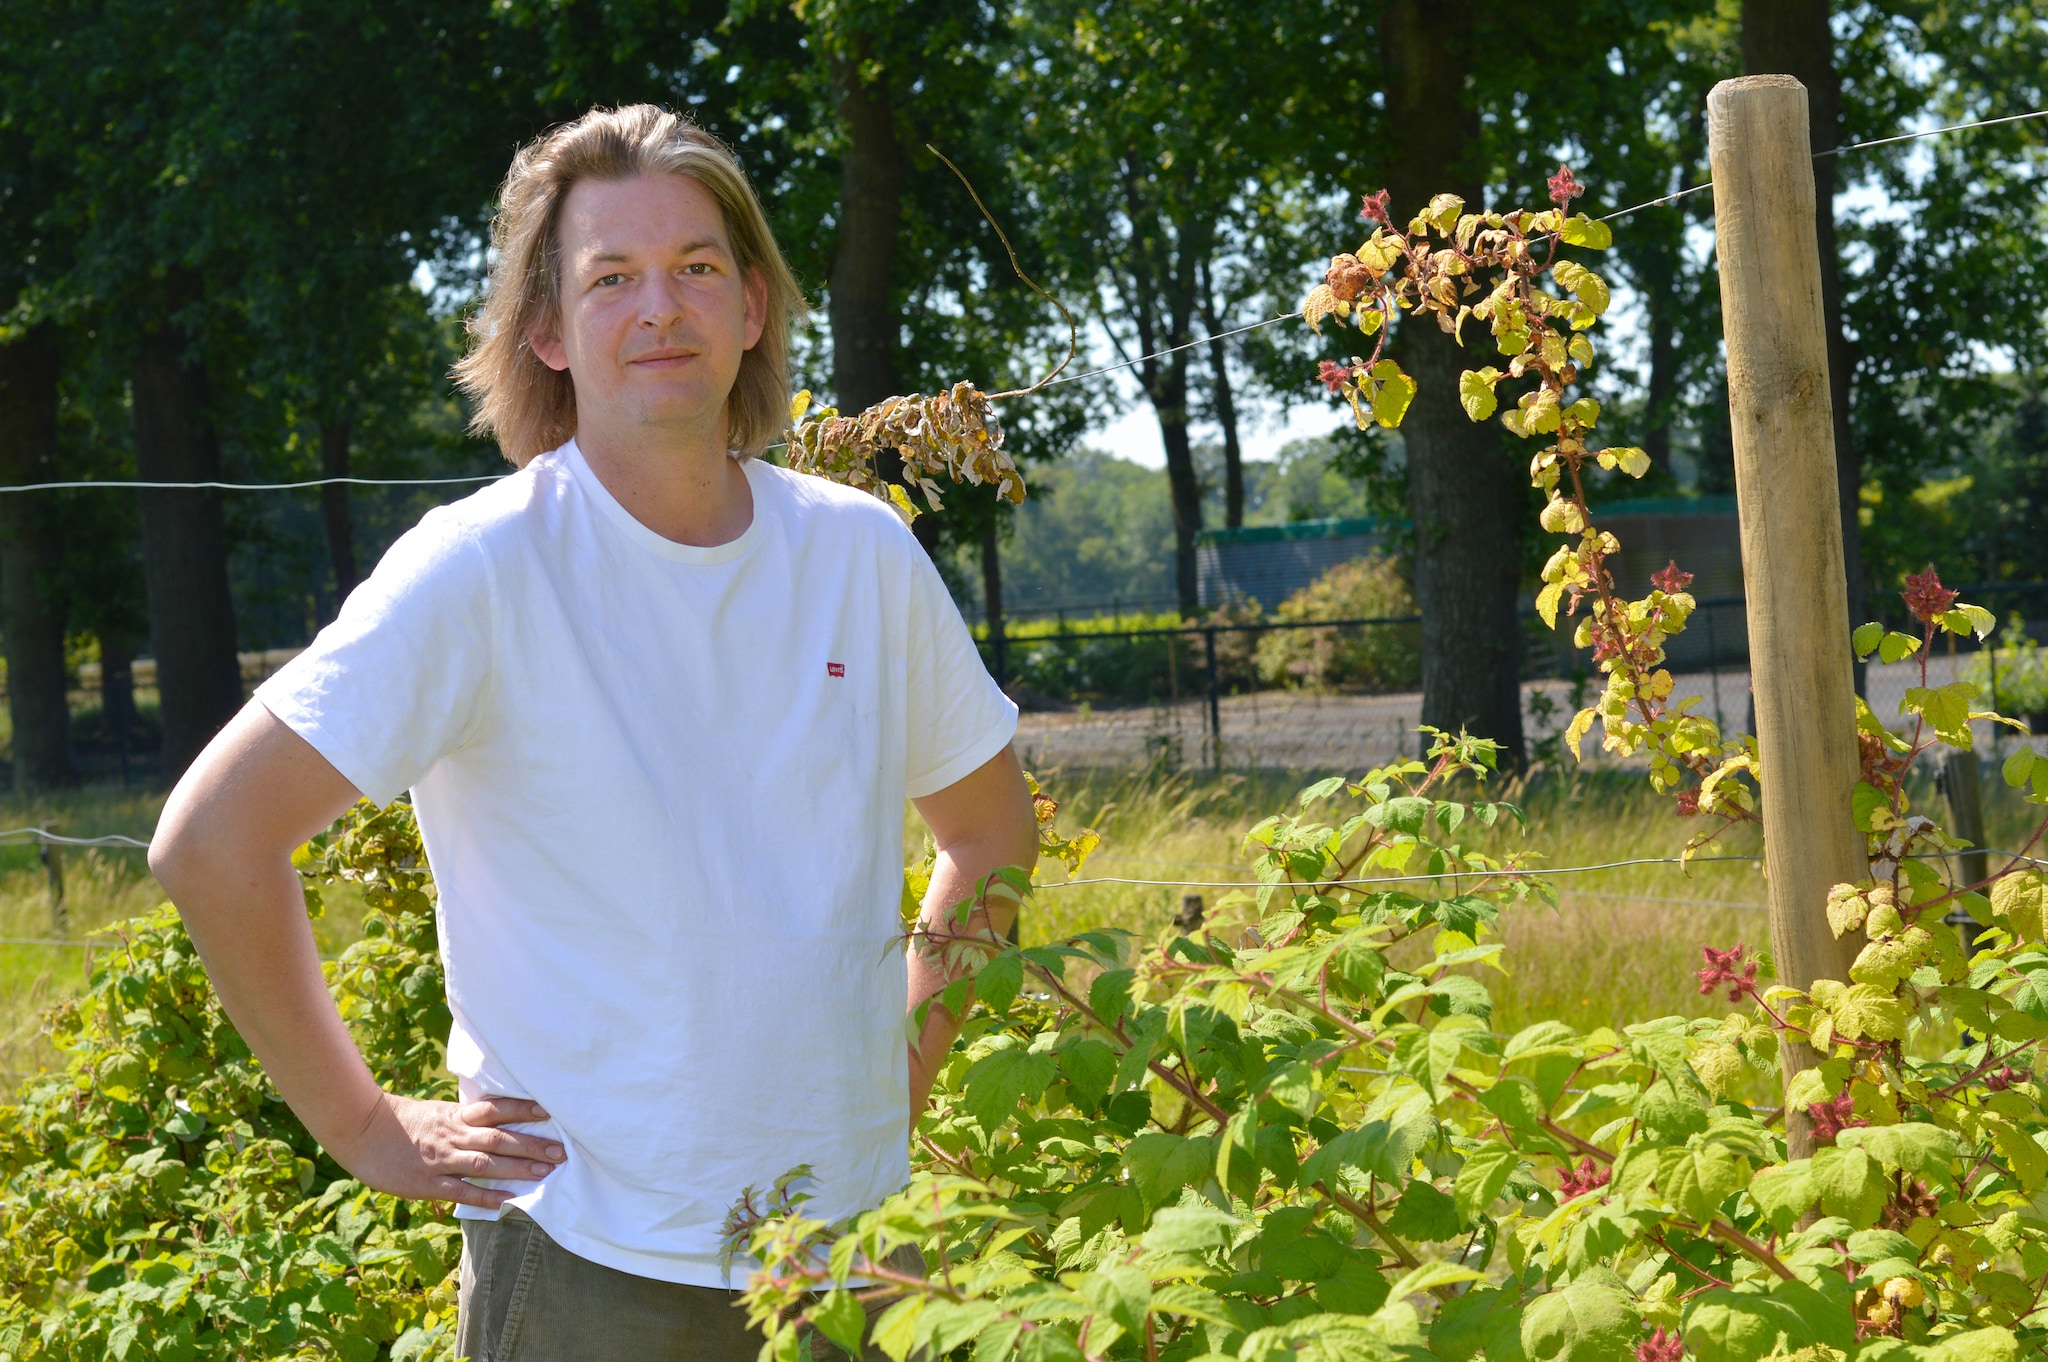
x: 42, y: 959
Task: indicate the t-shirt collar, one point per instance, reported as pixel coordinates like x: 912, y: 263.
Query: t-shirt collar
x: 594, y: 488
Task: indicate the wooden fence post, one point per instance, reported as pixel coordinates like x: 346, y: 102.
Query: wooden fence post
x: 1800, y: 671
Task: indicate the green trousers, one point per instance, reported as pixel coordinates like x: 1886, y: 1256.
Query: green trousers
x: 525, y: 1298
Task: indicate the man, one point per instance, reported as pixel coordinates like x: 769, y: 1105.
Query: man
x: 658, y: 705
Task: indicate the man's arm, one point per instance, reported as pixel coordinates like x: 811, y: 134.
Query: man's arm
x: 981, y: 822
x: 223, y: 852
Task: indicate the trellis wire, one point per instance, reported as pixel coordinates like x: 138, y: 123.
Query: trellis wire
x: 1071, y: 378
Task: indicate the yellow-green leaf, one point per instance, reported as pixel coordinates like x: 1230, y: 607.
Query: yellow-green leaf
x: 1475, y: 392
x: 2021, y: 898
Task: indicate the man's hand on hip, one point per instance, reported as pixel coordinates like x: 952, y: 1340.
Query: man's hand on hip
x: 424, y: 1150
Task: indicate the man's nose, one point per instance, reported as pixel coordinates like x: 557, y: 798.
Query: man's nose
x: 660, y: 304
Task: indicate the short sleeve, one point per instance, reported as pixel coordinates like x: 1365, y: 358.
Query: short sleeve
x: 402, y: 675
x: 959, y: 717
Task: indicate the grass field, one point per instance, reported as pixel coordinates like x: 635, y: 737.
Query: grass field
x: 1621, y: 945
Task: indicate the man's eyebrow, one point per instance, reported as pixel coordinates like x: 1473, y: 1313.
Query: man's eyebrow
x: 620, y: 258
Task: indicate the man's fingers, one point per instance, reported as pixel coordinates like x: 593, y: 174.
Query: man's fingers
x: 500, y: 1111
x: 514, y: 1144
x: 474, y: 1163
x: 468, y: 1194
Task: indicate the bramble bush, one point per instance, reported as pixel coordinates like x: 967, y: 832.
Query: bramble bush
x: 1291, y: 1131
x: 1266, y: 1138
x: 157, y: 1198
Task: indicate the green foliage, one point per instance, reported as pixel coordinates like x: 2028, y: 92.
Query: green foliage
x: 158, y: 1199
x: 1379, y: 657
x: 1248, y: 1140
x: 2012, y: 676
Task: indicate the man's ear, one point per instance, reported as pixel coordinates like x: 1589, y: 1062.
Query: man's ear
x: 546, y: 343
x: 757, y: 307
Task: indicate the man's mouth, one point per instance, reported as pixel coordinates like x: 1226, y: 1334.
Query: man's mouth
x: 669, y: 357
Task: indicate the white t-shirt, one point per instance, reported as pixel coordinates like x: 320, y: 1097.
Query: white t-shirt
x: 661, y: 789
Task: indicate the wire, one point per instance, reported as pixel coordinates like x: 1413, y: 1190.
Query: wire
x: 250, y: 486
x: 1170, y: 350
x: 1399, y: 879
x: 1070, y: 378
x: 45, y: 835
x: 1853, y: 146
x: 1934, y: 132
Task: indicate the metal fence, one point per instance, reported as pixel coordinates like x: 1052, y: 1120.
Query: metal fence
x: 1305, y: 693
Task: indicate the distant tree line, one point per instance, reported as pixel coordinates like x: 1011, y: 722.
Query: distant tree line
x: 237, y: 236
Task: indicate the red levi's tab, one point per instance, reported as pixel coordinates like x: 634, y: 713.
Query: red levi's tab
x: 835, y: 669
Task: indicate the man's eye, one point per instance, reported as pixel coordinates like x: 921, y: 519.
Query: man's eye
x: 699, y: 268
x: 611, y: 279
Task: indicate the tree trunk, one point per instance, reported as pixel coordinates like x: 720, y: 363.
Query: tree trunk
x: 31, y: 557
x: 1792, y: 38
x: 184, y: 547
x: 341, y: 536
x: 117, y: 694
x: 1657, y: 281
x: 1465, y: 494
x: 1226, y: 408
x: 862, y: 303
x: 992, y: 593
x: 1169, y: 394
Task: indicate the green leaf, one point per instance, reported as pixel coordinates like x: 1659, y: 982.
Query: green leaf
x: 997, y: 983
x: 895, y: 1332
x: 1485, y: 1173
x: 1699, y: 1179
x: 1424, y: 1214
x: 2021, y: 898
x: 1581, y: 230
x: 1869, y: 1246
x: 1866, y: 637
x: 1161, y: 1164
x: 1516, y: 1101
x: 1783, y: 1193
x: 1851, y: 1184
x: 1430, y: 1276
x: 1482, y: 1318
x: 1475, y: 392
x: 1089, y: 1066
x: 840, y: 1318
x: 2019, y: 766
x: 1897, y: 647
x: 998, y: 1084
x: 1945, y: 708
x: 1109, y: 997
x: 1191, y: 1229
x: 1590, y: 1320
x: 1977, y: 1345
x: 1731, y: 1326
x: 1392, y: 391
x: 1913, y: 1145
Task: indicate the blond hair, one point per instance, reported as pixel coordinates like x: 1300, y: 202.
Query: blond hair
x: 530, y: 407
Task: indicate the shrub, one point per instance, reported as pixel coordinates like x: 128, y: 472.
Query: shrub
x: 157, y: 1198
x: 2020, y: 682
x: 1375, y: 657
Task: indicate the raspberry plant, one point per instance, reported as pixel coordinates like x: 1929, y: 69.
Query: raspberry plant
x: 1289, y: 1132
x: 1268, y: 1138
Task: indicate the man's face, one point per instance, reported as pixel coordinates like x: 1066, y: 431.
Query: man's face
x: 655, y: 311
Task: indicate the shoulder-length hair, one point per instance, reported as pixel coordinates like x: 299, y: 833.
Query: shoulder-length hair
x: 531, y: 408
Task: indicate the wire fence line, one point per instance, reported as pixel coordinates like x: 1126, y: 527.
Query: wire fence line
x: 1070, y: 378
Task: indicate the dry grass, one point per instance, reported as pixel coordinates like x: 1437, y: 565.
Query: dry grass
x: 1620, y: 946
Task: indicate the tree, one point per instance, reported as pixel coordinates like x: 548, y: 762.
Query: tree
x: 31, y: 595
x: 1153, y: 127
x: 1465, y: 495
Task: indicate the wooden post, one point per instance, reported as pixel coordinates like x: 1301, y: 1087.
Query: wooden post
x: 1962, y: 789
x: 1792, y: 570
x: 52, y: 856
